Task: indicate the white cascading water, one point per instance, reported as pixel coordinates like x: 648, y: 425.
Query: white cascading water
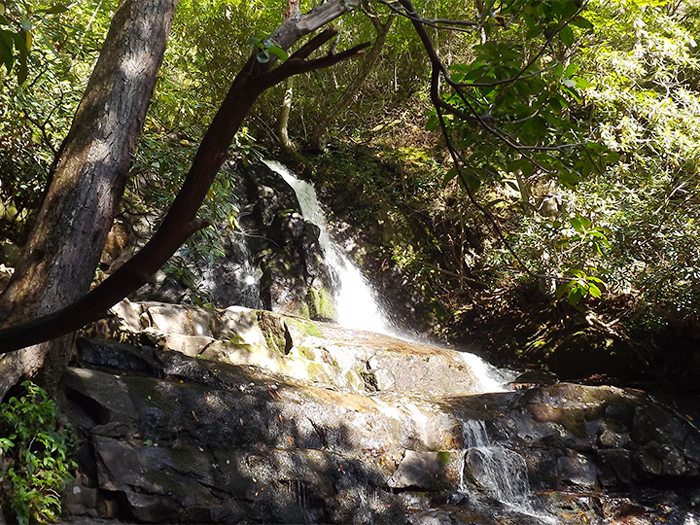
x: 356, y: 306
x: 500, y: 471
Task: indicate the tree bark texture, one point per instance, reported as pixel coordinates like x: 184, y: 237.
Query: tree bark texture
x: 181, y: 222
x: 59, y: 259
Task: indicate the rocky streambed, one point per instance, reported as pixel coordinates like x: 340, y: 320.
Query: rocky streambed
x: 188, y: 415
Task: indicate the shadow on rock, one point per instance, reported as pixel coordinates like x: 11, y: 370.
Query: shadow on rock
x: 177, y: 439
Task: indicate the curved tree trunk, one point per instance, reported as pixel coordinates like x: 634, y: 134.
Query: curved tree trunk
x: 59, y: 259
x: 180, y: 222
x: 317, y: 137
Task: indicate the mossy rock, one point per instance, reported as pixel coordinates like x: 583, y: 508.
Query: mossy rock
x: 307, y: 327
x: 275, y: 332
x: 307, y: 353
x: 321, y: 305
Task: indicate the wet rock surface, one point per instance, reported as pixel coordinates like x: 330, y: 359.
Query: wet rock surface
x: 287, y: 250
x: 272, y: 256
x: 243, y: 416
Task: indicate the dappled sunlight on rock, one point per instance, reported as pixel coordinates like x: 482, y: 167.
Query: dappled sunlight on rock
x: 284, y: 420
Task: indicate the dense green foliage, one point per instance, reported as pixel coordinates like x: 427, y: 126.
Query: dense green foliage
x: 575, y: 127
x: 614, y: 216
x: 561, y: 168
x: 36, y: 457
x: 36, y: 111
x: 641, y: 103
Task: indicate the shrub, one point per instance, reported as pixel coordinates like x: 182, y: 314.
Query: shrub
x: 35, y: 457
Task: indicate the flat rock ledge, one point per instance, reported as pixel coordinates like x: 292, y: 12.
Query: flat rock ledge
x: 191, y: 415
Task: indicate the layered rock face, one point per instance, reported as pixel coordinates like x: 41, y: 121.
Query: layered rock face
x: 272, y: 259
x: 240, y: 416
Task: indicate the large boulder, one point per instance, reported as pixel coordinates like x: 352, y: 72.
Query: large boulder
x: 314, y: 352
x: 181, y: 439
x: 271, y: 259
x: 239, y: 416
x: 589, y: 437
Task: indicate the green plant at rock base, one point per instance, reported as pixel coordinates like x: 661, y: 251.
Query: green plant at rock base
x: 35, y: 457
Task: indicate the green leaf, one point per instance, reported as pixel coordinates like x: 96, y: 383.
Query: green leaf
x: 55, y: 10
x: 462, y: 68
x: 22, y: 71
x: 278, y: 52
x: 576, y: 294
x: 571, y: 69
x: 471, y: 180
x: 451, y: 174
x: 492, y: 203
x: 566, y: 35
x: 511, y: 184
x: 528, y: 168
x: 457, y: 77
x: 563, y: 289
x: 262, y: 56
x: 568, y: 9
x: 582, y: 22
x: 6, y: 49
x: 580, y: 224
x: 20, y: 40
x: 432, y: 124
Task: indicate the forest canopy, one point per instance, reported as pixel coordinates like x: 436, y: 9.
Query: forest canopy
x: 546, y: 143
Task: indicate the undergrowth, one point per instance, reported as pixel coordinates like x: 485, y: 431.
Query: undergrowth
x: 35, y: 462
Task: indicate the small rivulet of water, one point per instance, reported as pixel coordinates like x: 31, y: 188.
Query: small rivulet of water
x: 355, y: 303
x: 499, y: 471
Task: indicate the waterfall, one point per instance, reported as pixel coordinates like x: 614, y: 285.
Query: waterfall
x: 355, y: 303
x: 492, y: 379
x: 499, y: 471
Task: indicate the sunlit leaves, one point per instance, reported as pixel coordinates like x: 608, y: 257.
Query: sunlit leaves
x: 579, y: 287
x: 584, y: 233
x: 567, y: 35
x: 521, y: 93
x: 18, y: 23
x: 36, y: 455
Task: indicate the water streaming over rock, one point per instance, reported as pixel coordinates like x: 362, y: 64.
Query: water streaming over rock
x: 499, y: 471
x: 355, y: 302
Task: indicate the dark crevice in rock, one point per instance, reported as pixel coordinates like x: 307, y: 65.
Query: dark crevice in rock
x: 288, y: 342
x: 88, y: 407
x: 110, y: 356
